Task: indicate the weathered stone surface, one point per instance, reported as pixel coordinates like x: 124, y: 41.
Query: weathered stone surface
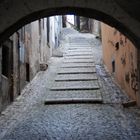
x: 43, y: 66
x: 74, y: 65
x: 78, y: 61
x: 76, y: 77
x: 75, y: 94
x: 79, y: 48
x: 75, y: 48
x: 78, y: 40
x: 75, y: 85
x: 129, y: 103
x: 76, y: 70
x: 79, y: 57
x: 78, y: 53
x: 81, y: 44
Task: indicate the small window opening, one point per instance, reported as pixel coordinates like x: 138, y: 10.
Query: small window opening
x: 48, y: 30
x: 5, y: 61
x: 27, y: 72
x: 113, y: 66
x: 117, y: 46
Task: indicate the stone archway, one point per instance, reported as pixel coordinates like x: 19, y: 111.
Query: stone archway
x: 123, y: 15
x: 14, y: 14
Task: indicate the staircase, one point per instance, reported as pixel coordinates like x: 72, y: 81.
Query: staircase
x: 76, y: 80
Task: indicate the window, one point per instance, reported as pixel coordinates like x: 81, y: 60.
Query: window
x: 113, y: 66
x: 48, y: 29
x: 5, y: 61
x: 39, y: 27
x: 27, y: 72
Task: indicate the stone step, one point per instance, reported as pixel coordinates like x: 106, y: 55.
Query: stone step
x: 76, y: 70
x: 80, y: 44
x: 78, y: 57
x: 74, y: 94
x: 73, y: 101
x: 79, y: 53
x: 76, y: 85
x: 76, y: 77
x: 78, y: 61
x: 78, y: 40
x: 79, y: 48
x: 77, y: 65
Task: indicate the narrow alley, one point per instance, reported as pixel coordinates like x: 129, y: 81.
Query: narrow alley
x: 74, y: 99
x: 76, y: 78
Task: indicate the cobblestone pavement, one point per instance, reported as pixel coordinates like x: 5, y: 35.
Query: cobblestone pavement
x: 29, y: 119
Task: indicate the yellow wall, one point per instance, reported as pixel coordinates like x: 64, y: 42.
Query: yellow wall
x: 125, y: 57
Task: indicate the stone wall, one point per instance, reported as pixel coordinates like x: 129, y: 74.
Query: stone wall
x: 34, y: 49
x: 16, y: 81
x: 5, y: 98
x: 95, y: 27
x: 120, y: 14
x: 28, y: 50
x: 44, y: 48
x: 55, y: 34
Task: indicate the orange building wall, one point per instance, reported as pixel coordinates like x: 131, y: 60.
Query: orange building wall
x: 118, y: 48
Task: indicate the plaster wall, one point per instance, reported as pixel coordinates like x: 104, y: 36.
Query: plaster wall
x: 119, y: 49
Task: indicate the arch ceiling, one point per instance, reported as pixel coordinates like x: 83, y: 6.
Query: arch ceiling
x: 121, y: 14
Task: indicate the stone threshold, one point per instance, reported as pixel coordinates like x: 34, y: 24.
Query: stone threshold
x: 73, y: 101
x: 74, y: 88
x: 63, y: 80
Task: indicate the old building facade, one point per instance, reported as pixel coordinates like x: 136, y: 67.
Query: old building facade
x: 87, y: 25
x: 95, y: 27
x: 24, y: 54
x: 120, y: 57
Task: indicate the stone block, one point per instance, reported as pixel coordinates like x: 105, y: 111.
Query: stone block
x: 43, y: 66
